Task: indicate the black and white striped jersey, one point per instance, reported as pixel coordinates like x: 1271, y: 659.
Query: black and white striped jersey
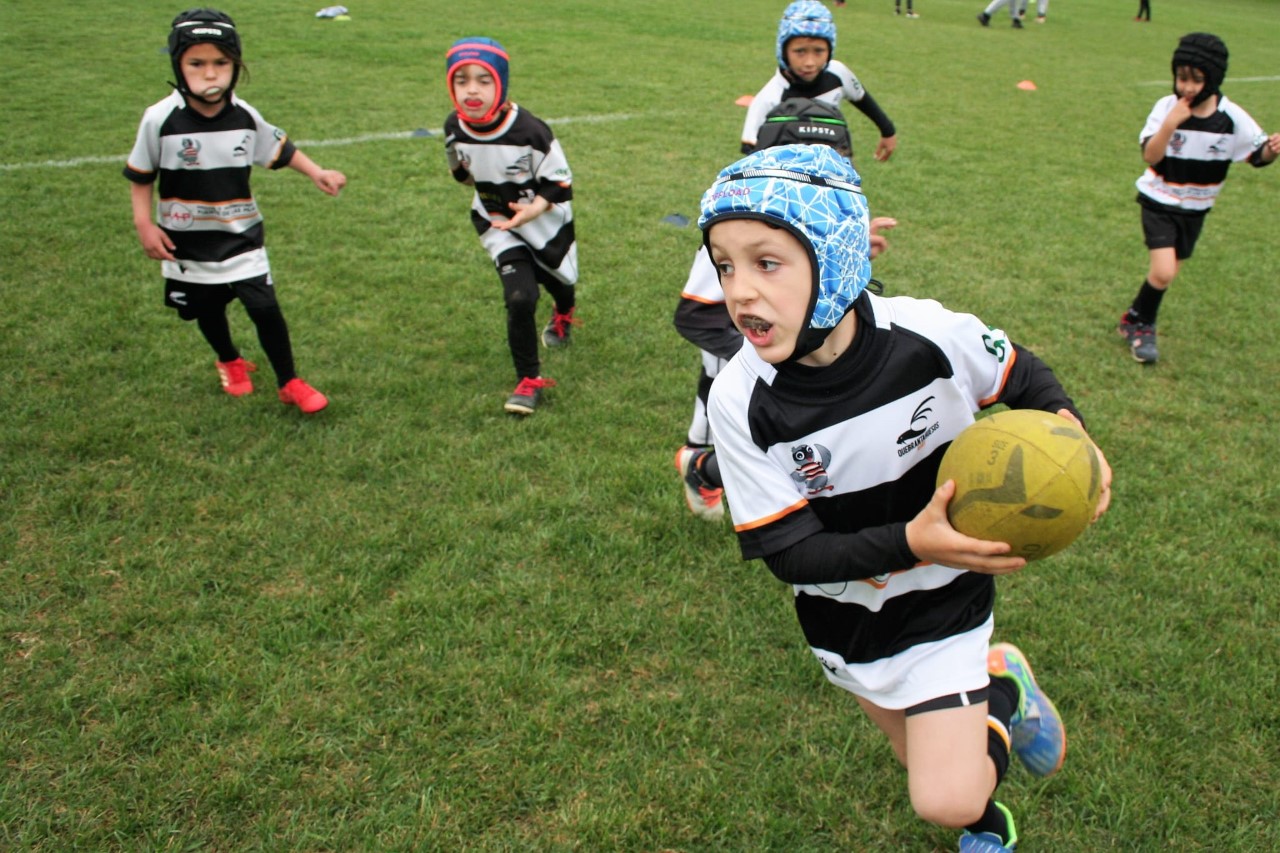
x: 513, y: 160
x: 201, y: 167
x: 1198, y: 156
x: 835, y: 84
x: 854, y: 448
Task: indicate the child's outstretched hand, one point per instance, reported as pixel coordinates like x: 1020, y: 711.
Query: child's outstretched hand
x: 884, y: 148
x: 330, y: 181
x: 931, y: 537
x: 524, y: 212
x: 155, y: 242
x: 880, y: 244
x: 1271, y: 148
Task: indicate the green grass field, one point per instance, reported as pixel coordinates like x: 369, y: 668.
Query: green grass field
x: 415, y: 623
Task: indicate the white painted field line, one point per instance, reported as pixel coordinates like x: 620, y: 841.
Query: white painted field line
x: 1229, y: 81
x: 306, y: 143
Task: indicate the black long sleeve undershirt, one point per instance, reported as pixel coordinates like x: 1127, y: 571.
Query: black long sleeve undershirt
x: 829, y: 557
x: 869, y: 108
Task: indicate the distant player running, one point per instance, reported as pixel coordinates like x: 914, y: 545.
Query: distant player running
x: 1189, y: 142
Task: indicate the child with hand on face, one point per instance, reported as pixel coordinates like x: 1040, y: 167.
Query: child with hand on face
x: 805, y: 46
x: 1189, y: 142
x: 198, y: 146
x: 809, y: 422
x: 522, y: 208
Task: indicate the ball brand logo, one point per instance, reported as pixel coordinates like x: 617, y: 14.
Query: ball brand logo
x: 1012, y: 489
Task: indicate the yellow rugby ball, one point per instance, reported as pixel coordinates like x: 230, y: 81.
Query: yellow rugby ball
x: 1025, y: 477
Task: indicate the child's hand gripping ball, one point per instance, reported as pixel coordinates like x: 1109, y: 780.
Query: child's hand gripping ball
x: 1025, y: 477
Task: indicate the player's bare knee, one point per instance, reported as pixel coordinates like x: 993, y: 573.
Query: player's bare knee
x: 948, y: 806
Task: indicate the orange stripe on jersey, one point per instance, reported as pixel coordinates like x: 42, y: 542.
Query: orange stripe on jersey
x: 701, y: 299
x: 769, y: 519
x: 1004, y: 380
x: 169, y: 199
x: 502, y: 127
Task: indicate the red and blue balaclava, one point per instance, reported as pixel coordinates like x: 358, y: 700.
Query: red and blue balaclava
x: 198, y: 26
x: 1206, y: 52
x: 488, y: 54
x: 814, y: 193
x: 805, y: 18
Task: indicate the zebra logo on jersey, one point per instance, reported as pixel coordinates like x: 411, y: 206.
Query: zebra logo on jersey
x: 190, y: 152
x: 811, y: 467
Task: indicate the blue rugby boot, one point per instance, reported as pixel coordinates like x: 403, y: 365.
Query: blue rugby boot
x: 983, y: 842
x: 1039, y: 739
x: 990, y: 842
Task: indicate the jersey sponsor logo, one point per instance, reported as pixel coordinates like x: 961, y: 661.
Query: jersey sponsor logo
x: 178, y: 217
x: 522, y: 166
x: 811, y: 467
x: 995, y: 346
x: 1221, y: 147
x: 828, y: 661
x: 919, y: 430
x: 242, y: 150
x: 190, y: 152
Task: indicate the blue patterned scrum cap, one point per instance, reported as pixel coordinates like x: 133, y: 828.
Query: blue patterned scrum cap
x: 488, y: 54
x: 805, y: 18
x: 817, y: 195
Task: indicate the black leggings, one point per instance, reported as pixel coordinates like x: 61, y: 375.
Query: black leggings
x: 520, y: 279
x: 273, y: 334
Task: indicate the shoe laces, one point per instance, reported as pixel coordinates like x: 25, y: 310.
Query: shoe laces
x: 562, y: 322
x: 530, y: 385
x: 235, y: 372
x: 298, y: 389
